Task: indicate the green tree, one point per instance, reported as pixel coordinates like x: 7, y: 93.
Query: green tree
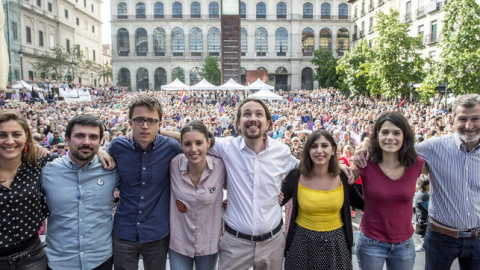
x: 461, y: 47
x: 325, y: 68
x: 352, y: 69
x: 178, y: 74
x: 211, y: 71
x: 397, y: 62
x: 54, y: 65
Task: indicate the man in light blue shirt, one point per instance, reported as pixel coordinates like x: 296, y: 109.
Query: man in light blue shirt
x: 79, y: 195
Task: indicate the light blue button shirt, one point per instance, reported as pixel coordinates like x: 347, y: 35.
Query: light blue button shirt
x: 80, y: 201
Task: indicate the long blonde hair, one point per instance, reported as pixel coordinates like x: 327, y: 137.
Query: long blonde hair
x: 30, y: 157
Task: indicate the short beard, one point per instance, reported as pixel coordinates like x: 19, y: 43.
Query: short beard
x: 466, y: 140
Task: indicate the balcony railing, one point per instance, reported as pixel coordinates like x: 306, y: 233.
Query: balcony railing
x: 370, y: 30
x: 433, y: 7
x: 354, y: 36
x: 408, y: 17
x: 380, y: 2
x: 431, y: 39
x: 420, y: 12
x: 326, y: 48
x: 362, y: 34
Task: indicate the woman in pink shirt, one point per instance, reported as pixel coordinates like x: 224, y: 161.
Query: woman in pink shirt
x: 389, y: 181
x: 196, y: 194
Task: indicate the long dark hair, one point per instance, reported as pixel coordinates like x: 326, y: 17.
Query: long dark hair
x: 197, y: 125
x: 306, y: 163
x: 406, y: 155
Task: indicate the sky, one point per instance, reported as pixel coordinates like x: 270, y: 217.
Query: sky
x: 105, y: 18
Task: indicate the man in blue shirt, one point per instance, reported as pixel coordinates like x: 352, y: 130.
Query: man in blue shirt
x: 141, y: 225
x: 79, y: 195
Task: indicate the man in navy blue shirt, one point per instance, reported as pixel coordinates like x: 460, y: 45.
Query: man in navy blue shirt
x: 141, y: 224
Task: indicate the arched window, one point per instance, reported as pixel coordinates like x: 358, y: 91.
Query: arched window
x: 214, y: 41
x: 243, y: 42
x: 124, y: 77
x: 326, y: 39
x: 158, y: 11
x: 122, y: 10
x: 325, y: 9
x: 178, y: 41
x: 307, y: 11
x: 195, y: 76
x: 213, y: 11
x: 342, y: 41
x: 195, y: 10
x: 281, y: 79
x: 177, y: 10
x: 123, y: 42
x: 343, y: 11
x: 159, y: 41
x: 261, y: 41
x: 196, y: 45
x: 281, y: 41
x: 243, y: 10
x: 281, y: 10
x: 141, y: 42
x: 261, y: 10
x: 178, y: 73
x: 160, y: 78
x: 142, y: 79
x: 307, y: 42
x: 140, y: 10
x: 307, y: 78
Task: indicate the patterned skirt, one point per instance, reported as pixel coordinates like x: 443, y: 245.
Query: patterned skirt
x: 312, y: 250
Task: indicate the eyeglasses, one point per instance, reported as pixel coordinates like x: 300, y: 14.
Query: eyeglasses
x: 150, y: 121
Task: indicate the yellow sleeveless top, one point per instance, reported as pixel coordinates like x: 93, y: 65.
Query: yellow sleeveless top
x: 319, y: 210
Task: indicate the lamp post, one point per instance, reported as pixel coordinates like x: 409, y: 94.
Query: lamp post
x: 20, y: 54
x: 73, y: 71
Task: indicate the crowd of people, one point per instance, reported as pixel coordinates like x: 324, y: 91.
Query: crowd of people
x: 171, y: 190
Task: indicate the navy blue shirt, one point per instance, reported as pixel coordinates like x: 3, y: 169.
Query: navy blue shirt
x: 143, y: 211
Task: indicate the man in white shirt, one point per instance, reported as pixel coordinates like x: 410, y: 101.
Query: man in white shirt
x: 255, y: 166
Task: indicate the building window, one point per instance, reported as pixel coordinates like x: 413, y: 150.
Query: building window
x: 158, y: 11
x: 159, y: 42
x: 141, y: 42
x: 140, y: 10
x: 243, y: 42
x: 195, y: 10
x: 67, y: 45
x: 84, y: 3
x: 123, y: 43
x: 261, y: 11
x: 433, y: 37
x: 325, y: 9
x: 124, y: 77
x: 28, y: 33
x: 214, y: 41
x: 39, y: 3
x: 281, y: 41
x: 50, y: 7
x: 307, y: 42
x: 370, y: 27
x: 243, y: 10
x: 15, y: 30
x: 196, y: 45
x: 326, y: 39
x: 77, y: 20
x: 342, y: 41
x: 52, y: 42
x: 94, y: 55
x: 92, y: 6
x: 178, y: 42
x: 93, y: 28
x: 195, y: 76
x: 343, y: 11
x: 66, y: 13
x: 421, y: 33
x: 261, y: 41
x: 122, y: 10
x: 177, y: 10
x: 281, y: 10
x: 307, y: 11
x: 30, y: 75
x: 40, y: 38
x: 213, y: 10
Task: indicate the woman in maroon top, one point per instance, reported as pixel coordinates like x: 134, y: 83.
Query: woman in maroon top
x: 389, y: 181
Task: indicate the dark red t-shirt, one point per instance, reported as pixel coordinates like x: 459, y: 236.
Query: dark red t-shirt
x: 388, y: 203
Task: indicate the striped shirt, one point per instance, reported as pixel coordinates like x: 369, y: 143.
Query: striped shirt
x: 454, y: 181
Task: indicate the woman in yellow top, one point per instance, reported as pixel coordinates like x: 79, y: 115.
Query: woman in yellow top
x: 321, y: 235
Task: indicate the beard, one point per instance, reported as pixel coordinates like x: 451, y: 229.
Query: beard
x: 253, y: 136
x: 468, y: 138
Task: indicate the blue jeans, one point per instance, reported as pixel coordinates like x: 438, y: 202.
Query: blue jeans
x: 35, y: 259
x: 182, y: 262
x: 372, y: 254
x: 441, y: 250
x: 126, y: 254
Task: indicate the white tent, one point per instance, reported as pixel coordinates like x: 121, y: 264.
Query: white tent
x: 232, y: 85
x: 22, y: 84
x: 203, y: 85
x: 258, y: 84
x: 175, y: 86
x: 266, y: 94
